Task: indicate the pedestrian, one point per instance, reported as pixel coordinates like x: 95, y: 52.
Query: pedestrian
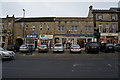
x: 30, y: 49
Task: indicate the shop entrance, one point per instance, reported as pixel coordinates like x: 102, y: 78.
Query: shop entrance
x: 19, y: 42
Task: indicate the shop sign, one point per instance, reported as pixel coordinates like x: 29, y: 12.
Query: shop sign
x: 31, y: 36
x: 46, y: 37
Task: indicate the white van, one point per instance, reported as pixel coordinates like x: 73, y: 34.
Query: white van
x: 58, y: 47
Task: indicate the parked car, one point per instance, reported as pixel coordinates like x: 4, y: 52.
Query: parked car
x: 92, y: 47
x: 5, y: 54
x: 117, y: 47
x: 26, y: 48
x: 42, y: 48
x: 75, y: 48
x: 107, y: 47
x: 58, y: 47
x: 13, y: 47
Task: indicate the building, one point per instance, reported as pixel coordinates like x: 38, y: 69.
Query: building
x: 107, y: 23
x: 66, y: 30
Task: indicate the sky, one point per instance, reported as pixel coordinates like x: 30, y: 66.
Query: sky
x: 52, y: 8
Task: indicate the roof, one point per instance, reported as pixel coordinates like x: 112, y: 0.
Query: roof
x: 111, y: 10
x: 38, y: 19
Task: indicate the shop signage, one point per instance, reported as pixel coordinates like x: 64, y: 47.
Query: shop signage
x: 31, y: 36
x: 109, y: 34
x: 46, y: 36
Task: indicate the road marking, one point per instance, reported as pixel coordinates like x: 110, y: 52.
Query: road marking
x: 109, y: 65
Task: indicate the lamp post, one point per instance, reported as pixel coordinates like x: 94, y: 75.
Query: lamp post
x: 23, y: 25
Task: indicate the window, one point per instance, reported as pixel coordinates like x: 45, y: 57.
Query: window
x: 33, y: 28
x: 26, y: 27
x: 62, y: 28
x: 107, y: 28
x: 1, y: 25
x: 40, y: 27
x: 100, y: 17
x: 113, y: 28
x: 100, y: 28
x: 74, y: 28
x: 113, y: 17
x: 59, y: 28
x: 48, y: 27
x: 87, y: 28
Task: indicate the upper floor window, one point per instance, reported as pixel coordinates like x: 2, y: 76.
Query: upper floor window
x: 40, y: 27
x: 100, y: 28
x: 60, y: 28
x: 87, y: 28
x: 48, y: 27
x: 113, y: 28
x: 107, y: 28
x: 26, y: 27
x: 113, y: 17
x: 74, y: 28
x: 100, y: 17
x: 33, y: 28
x: 1, y: 25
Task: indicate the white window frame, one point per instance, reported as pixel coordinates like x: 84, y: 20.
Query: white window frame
x: 113, y: 28
x: 100, y: 17
x: 107, y: 28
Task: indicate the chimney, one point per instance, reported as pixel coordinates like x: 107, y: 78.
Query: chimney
x: 91, y: 7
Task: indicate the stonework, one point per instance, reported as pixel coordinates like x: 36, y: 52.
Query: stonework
x: 63, y: 29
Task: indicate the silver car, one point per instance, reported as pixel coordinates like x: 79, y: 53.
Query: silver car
x: 6, y: 54
x: 58, y: 47
x: 75, y: 48
x: 26, y: 48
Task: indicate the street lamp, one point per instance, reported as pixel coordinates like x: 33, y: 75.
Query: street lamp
x: 23, y: 13
x: 23, y: 25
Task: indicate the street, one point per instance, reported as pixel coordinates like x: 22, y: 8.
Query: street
x: 61, y: 65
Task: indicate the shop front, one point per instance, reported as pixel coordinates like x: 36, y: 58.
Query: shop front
x: 31, y: 39
x: 109, y: 38
x: 68, y: 41
x: 46, y: 39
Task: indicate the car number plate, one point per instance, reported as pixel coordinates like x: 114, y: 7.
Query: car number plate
x: 93, y: 47
x: 110, y: 47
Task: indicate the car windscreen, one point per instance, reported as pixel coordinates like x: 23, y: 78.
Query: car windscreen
x: 23, y: 45
x: 43, y: 45
x: 109, y: 44
x: 75, y: 45
x: 94, y: 44
x: 58, y: 45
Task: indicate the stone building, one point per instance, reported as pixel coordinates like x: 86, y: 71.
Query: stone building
x: 50, y: 30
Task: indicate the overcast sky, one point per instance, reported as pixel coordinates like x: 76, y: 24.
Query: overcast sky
x: 51, y: 8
